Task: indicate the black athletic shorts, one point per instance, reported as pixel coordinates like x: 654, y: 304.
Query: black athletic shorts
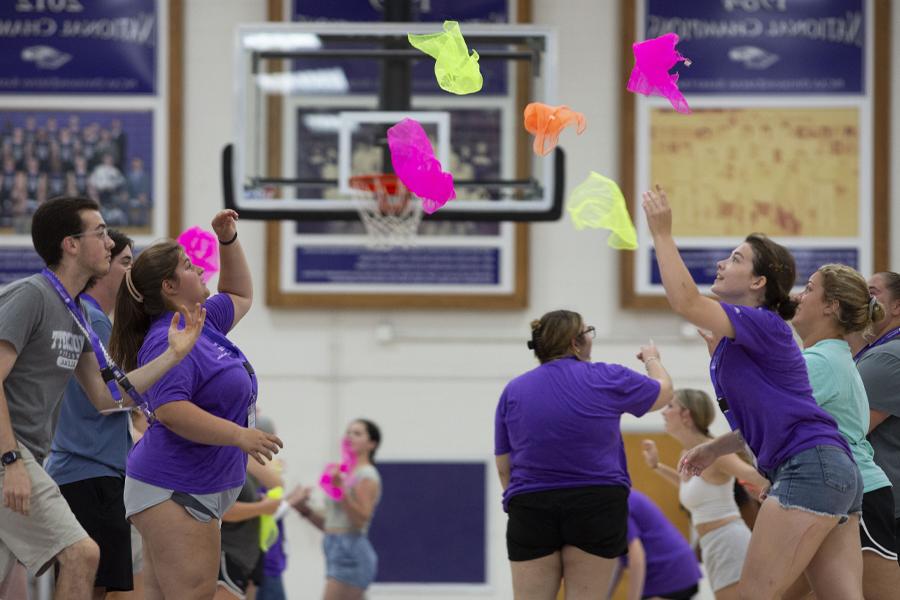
x: 593, y: 519
x: 877, y: 528
x: 685, y: 594
x: 233, y: 577
x: 99, y: 505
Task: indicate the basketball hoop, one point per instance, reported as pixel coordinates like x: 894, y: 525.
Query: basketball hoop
x: 389, y: 211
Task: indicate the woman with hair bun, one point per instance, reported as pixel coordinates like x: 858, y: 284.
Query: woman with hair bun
x: 836, y: 303
x: 724, y: 537
x: 561, y: 460
x: 762, y: 386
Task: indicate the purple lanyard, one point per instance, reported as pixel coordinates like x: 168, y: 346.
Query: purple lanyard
x: 109, y: 370
x: 714, y: 364
x: 882, y: 340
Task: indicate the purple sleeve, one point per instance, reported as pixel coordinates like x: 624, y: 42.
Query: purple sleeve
x: 501, y: 436
x: 176, y: 384
x: 220, y: 312
x: 760, y: 332
x: 627, y: 390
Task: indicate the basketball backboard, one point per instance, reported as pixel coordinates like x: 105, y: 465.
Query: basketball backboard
x: 331, y: 90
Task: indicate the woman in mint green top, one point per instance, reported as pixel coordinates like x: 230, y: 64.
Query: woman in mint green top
x: 834, y: 304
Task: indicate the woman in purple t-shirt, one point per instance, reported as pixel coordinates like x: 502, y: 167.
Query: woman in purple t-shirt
x: 762, y: 385
x: 188, y: 468
x: 561, y: 460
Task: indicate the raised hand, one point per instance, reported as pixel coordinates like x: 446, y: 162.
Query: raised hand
x: 697, y: 459
x: 182, y: 340
x: 337, y: 478
x: 299, y: 496
x: 648, y: 352
x: 650, y: 452
x: 225, y: 224
x: 259, y: 444
x: 659, y: 213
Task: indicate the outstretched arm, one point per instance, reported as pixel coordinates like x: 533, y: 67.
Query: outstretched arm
x: 87, y: 371
x: 242, y: 511
x: 699, y: 458
x: 268, y: 474
x: 737, y: 468
x: 191, y: 422
x: 299, y: 500
x: 681, y: 291
x: 651, y: 457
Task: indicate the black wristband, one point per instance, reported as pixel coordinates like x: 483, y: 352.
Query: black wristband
x: 231, y: 241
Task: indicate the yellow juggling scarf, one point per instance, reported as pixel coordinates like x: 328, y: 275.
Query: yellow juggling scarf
x: 456, y: 71
x: 598, y: 203
x: 268, y: 526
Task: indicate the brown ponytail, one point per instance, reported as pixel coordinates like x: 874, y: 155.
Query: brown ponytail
x: 776, y: 264
x: 139, y: 303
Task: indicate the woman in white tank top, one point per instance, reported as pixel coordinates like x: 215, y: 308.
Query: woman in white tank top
x: 724, y: 537
x: 350, y: 560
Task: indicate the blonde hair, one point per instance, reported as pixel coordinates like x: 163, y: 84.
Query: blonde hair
x: 856, y: 310
x: 552, y: 334
x: 700, y: 406
x: 703, y: 413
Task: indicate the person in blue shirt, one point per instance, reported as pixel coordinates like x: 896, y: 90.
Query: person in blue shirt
x: 87, y: 458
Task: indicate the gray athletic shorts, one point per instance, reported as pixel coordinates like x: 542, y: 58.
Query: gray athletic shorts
x: 49, y: 528
x: 137, y: 550
x: 140, y: 496
x: 724, y: 550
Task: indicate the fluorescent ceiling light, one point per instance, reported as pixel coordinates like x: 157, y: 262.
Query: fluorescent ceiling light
x: 308, y: 81
x: 282, y: 41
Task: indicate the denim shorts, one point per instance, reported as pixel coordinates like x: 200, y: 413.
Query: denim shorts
x: 822, y: 480
x: 350, y: 558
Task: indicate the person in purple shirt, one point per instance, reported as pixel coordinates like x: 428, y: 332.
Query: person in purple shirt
x: 762, y: 385
x: 188, y: 468
x: 561, y: 460
x: 661, y: 563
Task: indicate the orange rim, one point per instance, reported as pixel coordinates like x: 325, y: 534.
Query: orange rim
x: 378, y: 183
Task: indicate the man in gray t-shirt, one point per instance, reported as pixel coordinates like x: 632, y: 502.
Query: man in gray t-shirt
x: 41, y: 347
x: 48, y: 345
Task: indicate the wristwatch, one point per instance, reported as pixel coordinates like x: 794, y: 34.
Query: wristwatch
x: 8, y: 458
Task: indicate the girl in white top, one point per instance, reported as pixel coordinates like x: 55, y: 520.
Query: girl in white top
x: 724, y: 537
x: 350, y: 560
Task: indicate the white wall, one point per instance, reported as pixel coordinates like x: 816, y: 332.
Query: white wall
x: 433, y: 388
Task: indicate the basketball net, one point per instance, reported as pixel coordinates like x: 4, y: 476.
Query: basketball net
x: 389, y: 211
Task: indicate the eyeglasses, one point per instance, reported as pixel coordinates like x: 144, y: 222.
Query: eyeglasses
x: 100, y: 233
x: 590, y: 332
